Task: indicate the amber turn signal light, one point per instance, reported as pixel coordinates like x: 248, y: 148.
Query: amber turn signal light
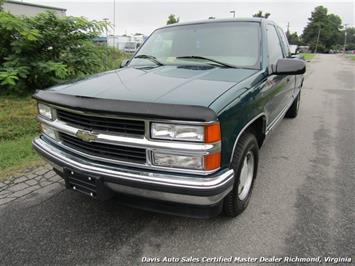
x: 212, y: 161
x: 212, y: 133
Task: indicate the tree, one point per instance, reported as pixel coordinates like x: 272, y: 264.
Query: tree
x: 44, y: 50
x: 172, y: 19
x: 260, y: 14
x: 350, y: 38
x: 293, y: 38
x: 328, y: 27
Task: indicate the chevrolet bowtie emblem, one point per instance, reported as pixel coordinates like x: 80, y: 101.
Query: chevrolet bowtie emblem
x: 85, y: 135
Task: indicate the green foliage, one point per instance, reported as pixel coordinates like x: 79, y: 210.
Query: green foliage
x: 261, y: 15
x: 17, y: 155
x: 17, y: 129
x: 293, y: 38
x: 17, y: 117
x: 327, y: 25
x: 111, y: 57
x: 172, y: 19
x: 307, y: 56
x: 45, y: 50
x: 350, y: 38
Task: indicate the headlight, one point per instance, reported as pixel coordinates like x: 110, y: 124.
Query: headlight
x: 207, y: 134
x: 48, y: 131
x: 45, y: 111
x: 196, y: 162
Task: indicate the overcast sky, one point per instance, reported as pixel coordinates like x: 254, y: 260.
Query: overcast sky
x: 144, y: 16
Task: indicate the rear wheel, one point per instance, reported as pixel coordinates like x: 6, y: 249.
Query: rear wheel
x: 293, y: 110
x: 245, y: 165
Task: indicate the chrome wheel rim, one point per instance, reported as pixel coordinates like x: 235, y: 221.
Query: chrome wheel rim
x: 246, y: 176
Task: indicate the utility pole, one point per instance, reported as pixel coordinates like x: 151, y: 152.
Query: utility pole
x: 114, y: 23
x: 315, y: 50
x: 288, y: 34
x: 233, y: 12
x: 107, y: 55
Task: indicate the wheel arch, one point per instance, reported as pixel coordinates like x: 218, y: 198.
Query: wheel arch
x: 258, y: 126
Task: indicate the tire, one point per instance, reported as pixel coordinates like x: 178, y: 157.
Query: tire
x: 293, y: 110
x: 237, y: 200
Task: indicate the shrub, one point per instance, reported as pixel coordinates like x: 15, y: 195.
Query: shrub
x: 39, y: 52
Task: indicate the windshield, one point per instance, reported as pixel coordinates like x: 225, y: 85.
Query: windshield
x: 233, y: 43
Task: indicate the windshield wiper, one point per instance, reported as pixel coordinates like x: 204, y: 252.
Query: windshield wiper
x: 151, y: 58
x: 207, y: 59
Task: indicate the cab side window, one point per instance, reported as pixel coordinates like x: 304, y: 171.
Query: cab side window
x: 274, y: 46
x: 285, y: 44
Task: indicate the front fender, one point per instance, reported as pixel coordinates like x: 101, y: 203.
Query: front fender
x: 237, y: 117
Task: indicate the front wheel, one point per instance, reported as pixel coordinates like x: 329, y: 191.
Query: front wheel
x: 293, y: 110
x: 245, y: 165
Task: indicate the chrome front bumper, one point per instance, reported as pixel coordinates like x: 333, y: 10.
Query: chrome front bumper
x: 186, y: 189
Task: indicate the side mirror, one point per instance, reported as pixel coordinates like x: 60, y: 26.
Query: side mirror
x: 124, y: 63
x: 289, y: 66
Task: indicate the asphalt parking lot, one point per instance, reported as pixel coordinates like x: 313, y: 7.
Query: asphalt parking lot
x: 303, y: 203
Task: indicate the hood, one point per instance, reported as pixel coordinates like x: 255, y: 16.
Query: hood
x: 187, y: 85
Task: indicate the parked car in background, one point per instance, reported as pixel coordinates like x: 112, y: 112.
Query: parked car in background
x: 179, y: 127
x: 293, y: 49
x: 131, y: 47
x: 304, y: 49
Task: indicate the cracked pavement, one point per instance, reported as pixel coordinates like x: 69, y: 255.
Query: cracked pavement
x: 302, y: 205
x: 39, y: 180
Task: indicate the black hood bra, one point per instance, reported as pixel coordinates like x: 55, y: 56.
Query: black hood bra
x: 128, y: 108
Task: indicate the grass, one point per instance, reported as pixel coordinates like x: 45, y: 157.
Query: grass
x: 308, y: 56
x: 352, y: 57
x: 18, y: 127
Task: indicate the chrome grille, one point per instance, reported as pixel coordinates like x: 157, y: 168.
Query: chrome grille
x: 115, y: 152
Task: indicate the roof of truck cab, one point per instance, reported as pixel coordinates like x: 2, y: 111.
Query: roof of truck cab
x: 208, y: 21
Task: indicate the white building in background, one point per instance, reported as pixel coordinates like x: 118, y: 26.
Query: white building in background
x: 126, y: 43
x: 29, y: 10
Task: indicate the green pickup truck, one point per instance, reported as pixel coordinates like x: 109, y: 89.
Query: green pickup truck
x: 178, y: 128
